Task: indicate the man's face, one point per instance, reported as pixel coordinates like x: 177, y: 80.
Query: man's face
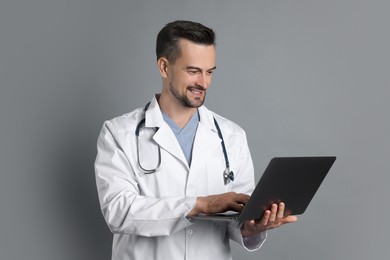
x: 190, y: 75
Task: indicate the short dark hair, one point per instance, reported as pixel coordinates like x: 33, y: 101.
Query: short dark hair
x: 167, y: 39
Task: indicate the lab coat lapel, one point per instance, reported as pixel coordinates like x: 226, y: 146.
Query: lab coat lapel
x: 206, y: 139
x: 166, y: 139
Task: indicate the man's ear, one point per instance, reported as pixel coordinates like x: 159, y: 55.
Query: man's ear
x: 163, y: 66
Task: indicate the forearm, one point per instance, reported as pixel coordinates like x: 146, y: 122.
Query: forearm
x: 145, y: 216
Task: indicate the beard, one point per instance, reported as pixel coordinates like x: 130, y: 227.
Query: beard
x: 184, y: 100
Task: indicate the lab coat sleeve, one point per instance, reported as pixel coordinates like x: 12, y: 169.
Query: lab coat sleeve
x: 244, y: 183
x: 249, y: 243
x: 124, y: 209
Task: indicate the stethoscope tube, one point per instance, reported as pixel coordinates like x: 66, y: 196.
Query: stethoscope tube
x: 141, y: 125
x: 227, y: 174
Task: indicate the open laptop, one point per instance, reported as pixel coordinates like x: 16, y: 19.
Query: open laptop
x: 292, y: 180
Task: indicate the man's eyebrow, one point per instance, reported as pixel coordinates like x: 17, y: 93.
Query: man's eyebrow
x: 197, y: 68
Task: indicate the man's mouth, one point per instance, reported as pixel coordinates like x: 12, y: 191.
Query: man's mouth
x: 196, y: 90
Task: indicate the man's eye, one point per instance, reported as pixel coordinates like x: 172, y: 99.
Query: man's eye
x: 192, y: 71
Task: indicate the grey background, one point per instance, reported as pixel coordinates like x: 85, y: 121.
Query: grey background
x: 302, y: 77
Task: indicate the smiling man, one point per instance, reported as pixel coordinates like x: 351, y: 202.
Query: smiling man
x: 160, y: 165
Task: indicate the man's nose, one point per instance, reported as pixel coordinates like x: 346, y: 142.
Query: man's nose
x: 203, y: 80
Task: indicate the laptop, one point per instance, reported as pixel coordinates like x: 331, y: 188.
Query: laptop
x: 292, y: 180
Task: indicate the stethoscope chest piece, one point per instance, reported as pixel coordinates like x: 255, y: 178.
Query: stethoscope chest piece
x: 228, y: 175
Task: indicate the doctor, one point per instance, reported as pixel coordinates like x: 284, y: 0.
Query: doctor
x: 160, y: 165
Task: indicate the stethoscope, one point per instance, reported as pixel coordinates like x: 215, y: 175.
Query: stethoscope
x: 228, y: 175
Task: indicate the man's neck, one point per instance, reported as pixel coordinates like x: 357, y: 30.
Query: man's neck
x: 179, y: 113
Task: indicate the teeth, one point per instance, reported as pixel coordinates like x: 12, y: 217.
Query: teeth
x: 196, y: 91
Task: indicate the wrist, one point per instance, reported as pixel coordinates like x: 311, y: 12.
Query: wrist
x: 244, y: 231
x: 199, y: 205
x: 248, y: 229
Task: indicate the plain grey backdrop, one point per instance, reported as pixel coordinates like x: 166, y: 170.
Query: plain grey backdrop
x: 303, y: 77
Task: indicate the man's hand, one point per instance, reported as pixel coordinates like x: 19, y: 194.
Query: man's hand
x: 272, y: 218
x: 219, y: 203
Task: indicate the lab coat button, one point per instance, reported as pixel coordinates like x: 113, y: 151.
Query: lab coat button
x: 190, y: 232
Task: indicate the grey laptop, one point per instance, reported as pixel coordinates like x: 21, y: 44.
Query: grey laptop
x: 292, y: 180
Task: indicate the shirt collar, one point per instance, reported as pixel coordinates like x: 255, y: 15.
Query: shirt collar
x: 154, y: 118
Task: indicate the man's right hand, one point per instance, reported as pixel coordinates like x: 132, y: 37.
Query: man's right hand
x: 219, y: 203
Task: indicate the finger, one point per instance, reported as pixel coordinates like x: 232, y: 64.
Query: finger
x: 264, y: 220
x: 280, y: 213
x: 242, y: 198
x: 290, y: 219
x: 235, y: 206
x: 274, y: 209
x: 250, y: 223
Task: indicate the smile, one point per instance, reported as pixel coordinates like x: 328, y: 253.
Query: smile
x: 196, y: 90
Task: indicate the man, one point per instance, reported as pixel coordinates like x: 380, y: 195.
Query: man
x: 160, y: 165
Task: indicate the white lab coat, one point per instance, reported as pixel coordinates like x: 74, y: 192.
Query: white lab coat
x: 147, y: 212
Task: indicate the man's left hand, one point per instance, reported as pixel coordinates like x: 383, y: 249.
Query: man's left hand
x: 272, y: 218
